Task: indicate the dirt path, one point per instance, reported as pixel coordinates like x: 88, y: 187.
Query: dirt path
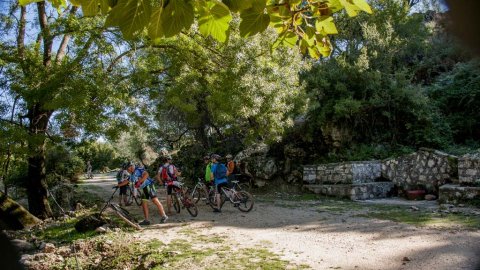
x: 304, y: 235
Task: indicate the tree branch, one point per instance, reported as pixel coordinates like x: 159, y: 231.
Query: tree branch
x: 47, y: 39
x: 21, y: 33
x: 65, y: 39
x: 125, y: 53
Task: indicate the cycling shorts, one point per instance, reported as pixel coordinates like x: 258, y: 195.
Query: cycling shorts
x: 149, y: 192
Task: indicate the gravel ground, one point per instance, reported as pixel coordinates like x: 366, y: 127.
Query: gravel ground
x: 303, y: 235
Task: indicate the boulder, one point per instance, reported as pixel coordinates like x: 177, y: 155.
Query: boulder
x: 90, y: 223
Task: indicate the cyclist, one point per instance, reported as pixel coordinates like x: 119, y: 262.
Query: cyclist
x: 219, y: 174
x: 123, y: 180
x: 139, y: 176
x: 208, y: 171
x: 89, y: 170
x: 230, y: 168
x: 168, y: 173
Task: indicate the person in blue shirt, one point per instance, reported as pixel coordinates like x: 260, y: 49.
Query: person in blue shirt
x: 220, y: 178
x: 139, y: 176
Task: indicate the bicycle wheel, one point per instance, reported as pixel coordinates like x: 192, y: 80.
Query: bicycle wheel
x: 212, y: 200
x: 138, y: 198
x: 244, y: 200
x: 125, y: 215
x: 176, y: 202
x: 197, y: 194
x: 244, y: 187
x: 191, y: 207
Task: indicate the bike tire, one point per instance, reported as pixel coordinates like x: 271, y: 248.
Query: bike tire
x: 138, y: 198
x: 125, y: 216
x: 212, y: 202
x: 244, y: 187
x: 190, y: 205
x: 245, y: 199
x: 196, y: 195
x: 176, y: 203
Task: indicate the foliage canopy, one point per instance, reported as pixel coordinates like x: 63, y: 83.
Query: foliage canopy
x: 303, y: 23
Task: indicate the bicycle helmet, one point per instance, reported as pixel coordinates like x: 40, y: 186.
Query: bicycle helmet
x: 229, y: 156
x: 215, y: 156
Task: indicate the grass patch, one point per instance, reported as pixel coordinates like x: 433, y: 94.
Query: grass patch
x: 422, y: 218
x: 63, y: 232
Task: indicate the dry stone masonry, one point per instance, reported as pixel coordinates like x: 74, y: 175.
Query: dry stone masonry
x: 455, y: 180
x: 426, y: 169
x: 469, y: 170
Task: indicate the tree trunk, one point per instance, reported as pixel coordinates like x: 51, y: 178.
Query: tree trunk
x: 37, y: 185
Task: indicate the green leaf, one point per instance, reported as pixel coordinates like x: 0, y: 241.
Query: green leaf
x: 155, y: 29
x: 104, y: 6
x: 90, y: 8
x: 363, y: 5
x: 177, y: 15
x: 238, y: 5
x: 286, y: 38
x: 131, y: 16
x: 254, y: 20
x: 309, y: 35
x: 326, y: 25
x: 26, y: 2
x: 314, y: 53
x: 335, y: 5
x: 352, y: 10
x: 214, y: 19
x: 76, y: 3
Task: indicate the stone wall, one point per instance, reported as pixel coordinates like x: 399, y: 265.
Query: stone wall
x: 364, y: 191
x: 426, y: 168
x: 469, y: 170
x: 343, y: 173
x: 455, y: 194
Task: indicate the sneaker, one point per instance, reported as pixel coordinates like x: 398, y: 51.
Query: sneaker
x: 236, y: 204
x: 163, y: 219
x: 144, y: 222
x: 216, y: 210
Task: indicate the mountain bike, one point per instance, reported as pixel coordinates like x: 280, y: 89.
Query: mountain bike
x: 200, y: 191
x: 121, y: 212
x: 180, y: 195
x: 134, y: 194
x: 239, y: 198
x: 242, y: 182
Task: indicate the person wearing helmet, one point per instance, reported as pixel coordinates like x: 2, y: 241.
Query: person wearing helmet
x: 139, y: 176
x: 219, y: 174
x: 230, y: 168
x: 168, y: 173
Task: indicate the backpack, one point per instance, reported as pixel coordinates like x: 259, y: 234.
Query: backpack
x: 165, y: 174
x: 119, y: 176
x: 220, y: 171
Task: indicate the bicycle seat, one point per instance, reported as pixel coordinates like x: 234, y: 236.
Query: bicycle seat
x: 235, y: 181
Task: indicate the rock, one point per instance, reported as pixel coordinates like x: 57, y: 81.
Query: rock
x: 414, y: 208
x: 22, y: 245
x: 64, y: 251
x: 405, y: 259
x: 48, y: 248
x: 430, y: 197
x: 90, y: 222
x: 101, y: 229
x: 79, y: 206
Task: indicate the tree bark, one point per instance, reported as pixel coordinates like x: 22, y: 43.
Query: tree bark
x: 37, y: 185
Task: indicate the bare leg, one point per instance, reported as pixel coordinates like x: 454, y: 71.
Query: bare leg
x: 169, y: 204
x: 217, y: 195
x: 145, y: 209
x: 159, y: 206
